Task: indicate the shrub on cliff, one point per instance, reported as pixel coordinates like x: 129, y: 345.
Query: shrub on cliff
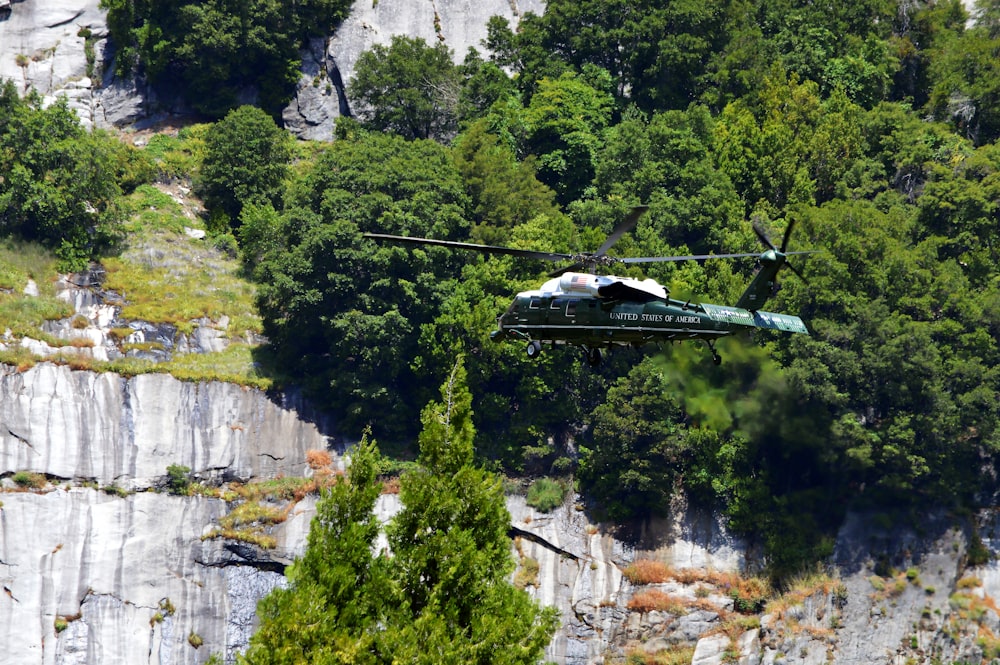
x: 59, y: 184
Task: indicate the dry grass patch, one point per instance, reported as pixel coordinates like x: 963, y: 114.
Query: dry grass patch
x: 527, y: 573
x: 654, y: 599
x: 648, y: 571
x: 672, y: 656
x: 318, y: 459
x: 969, y: 582
x: 804, y: 587
x: 749, y: 594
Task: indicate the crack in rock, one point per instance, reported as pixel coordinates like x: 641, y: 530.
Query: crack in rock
x: 67, y: 21
x: 535, y: 538
x: 249, y: 558
x: 21, y: 439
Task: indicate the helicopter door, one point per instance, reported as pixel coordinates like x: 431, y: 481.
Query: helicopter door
x: 581, y: 312
x: 534, y: 313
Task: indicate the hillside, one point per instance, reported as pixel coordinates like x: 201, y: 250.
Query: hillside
x: 196, y: 327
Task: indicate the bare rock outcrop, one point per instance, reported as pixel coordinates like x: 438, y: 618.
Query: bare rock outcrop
x: 46, y: 45
x: 89, y: 577
x: 105, y: 428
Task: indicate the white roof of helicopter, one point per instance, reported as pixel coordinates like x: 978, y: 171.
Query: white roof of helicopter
x: 578, y: 283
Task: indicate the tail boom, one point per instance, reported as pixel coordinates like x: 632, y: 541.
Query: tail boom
x: 756, y: 319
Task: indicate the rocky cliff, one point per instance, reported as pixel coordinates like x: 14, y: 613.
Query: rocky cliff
x: 77, y: 425
x: 44, y: 44
x: 99, y: 564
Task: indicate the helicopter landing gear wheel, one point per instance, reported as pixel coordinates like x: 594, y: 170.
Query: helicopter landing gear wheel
x: 534, y: 349
x: 593, y: 357
x: 716, y: 358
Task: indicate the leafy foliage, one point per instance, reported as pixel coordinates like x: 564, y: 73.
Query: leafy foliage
x: 409, y: 88
x: 210, y: 51
x: 546, y: 494
x: 326, y: 290
x: 246, y: 158
x: 61, y: 185
x: 443, y: 595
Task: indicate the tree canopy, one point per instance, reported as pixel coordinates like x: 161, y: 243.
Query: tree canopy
x: 59, y: 184
x: 210, y: 52
x: 440, y: 594
x: 869, y: 125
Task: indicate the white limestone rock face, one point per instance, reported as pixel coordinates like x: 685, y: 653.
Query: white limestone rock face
x: 579, y: 573
x: 102, y: 427
x: 43, y: 46
x: 459, y: 24
x: 97, y: 579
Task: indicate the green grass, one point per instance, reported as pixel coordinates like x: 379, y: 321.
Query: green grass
x: 234, y: 365
x: 154, y: 210
x: 546, y: 494
x: 21, y: 260
x: 24, y: 315
x: 182, y: 283
x: 178, y: 156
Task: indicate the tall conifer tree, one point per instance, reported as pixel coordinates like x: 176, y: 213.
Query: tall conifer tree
x: 443, y: 595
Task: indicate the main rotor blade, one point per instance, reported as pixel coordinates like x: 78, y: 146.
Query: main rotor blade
x: 624, y: 227
x: 759, y: 230
x: 570, y: 268
x: 486, y: 249
x: 788, y: 233
x: 693, y: 257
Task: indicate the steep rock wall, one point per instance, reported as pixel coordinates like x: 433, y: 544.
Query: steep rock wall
x: 43, y: 46
x: 102, y: 427
x: 89, y: 577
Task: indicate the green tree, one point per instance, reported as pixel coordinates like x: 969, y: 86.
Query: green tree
x: 634, y: 452
x: 246, y: 159
x: 344, y: 312
x: 212, y: 52
x: 339, y: 593
x: 565, y: 120
x: 667, y: 161
x: 504, y: 191
x: 760, y: 140
x: 654, y: 51
x: 443, y: 595
x: 408, y: 87
x: 484, y: 83
x: 451, y: 552
x: 59, y: 184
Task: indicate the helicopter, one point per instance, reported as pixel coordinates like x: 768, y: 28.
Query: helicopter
x: 578, y: 307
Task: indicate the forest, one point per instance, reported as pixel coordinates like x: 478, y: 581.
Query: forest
x: 871, y: 125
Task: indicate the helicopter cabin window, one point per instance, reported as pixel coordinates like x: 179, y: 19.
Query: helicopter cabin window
x: 536, y: 303
x: 571, y: 307
x: 557, y: 303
